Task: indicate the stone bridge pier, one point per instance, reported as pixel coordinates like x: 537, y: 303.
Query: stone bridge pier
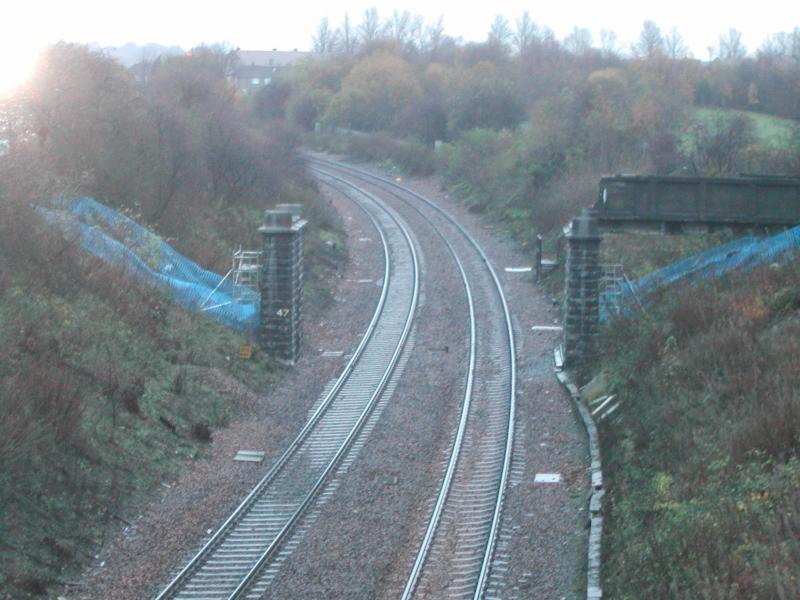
x: 582, y: 294
x: 280, y: 333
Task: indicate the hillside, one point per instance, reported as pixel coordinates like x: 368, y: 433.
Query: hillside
x: 770, y: 133
x: 107, y: 387
x: 104, y: 391
x: 702, y: 458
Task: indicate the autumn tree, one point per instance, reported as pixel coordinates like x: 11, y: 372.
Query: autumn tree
x: 607, y: 118
x: 485, y: 96
x: 374, y: 92
x: 82, y: 109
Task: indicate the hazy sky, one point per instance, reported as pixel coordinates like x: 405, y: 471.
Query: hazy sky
x: 29, y: 25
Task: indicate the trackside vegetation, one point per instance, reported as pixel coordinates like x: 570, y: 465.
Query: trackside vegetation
x: 702, y: 459
x: 527, y: 124
x: 107, y: 389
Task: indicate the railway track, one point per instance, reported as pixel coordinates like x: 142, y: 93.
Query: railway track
x: 235, y: 561
x: 456, y: 550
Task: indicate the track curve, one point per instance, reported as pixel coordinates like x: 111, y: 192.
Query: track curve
x: 456, y: 550
x: 230, y: 565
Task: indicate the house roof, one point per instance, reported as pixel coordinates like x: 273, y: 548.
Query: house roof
x: 271, y: 58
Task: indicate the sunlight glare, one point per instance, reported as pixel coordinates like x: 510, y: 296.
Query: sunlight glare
x: 17, y: 61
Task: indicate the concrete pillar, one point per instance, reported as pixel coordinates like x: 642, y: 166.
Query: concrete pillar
x: 581, y: 305
x: 281, y: 330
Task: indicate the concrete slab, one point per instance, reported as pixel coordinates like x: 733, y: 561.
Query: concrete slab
x: 547, y: 478
x: 249, y: 456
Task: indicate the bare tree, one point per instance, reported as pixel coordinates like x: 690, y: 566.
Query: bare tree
x: 731, y: 47
x: 718, y: 144
x: 403, y: 28
x: 782, y: 45
x: 370, y: 28
x: 579, y: 41
x: 348, y: 37
x: 434, y: 36
x: 499, y: 32
x: 608, y: 42
x: 674, y: 46
x: 525, y: 33
x: 651, y: 42
x: 325, y: 39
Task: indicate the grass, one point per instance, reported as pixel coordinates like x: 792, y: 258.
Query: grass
x: 773, y: 134
x: 102, y: 388
x: 98, y: 418
x: 641, y: 253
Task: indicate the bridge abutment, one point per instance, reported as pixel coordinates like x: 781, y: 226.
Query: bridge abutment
x: 582, y: 290
x: 281, y: 330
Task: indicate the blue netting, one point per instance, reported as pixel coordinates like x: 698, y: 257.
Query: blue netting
x: 114, y: 238
x: 739, y: 255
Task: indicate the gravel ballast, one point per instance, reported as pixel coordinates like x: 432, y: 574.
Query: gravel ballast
x: 543, y: 537
x: 138, y: 560
x: 364, y: 538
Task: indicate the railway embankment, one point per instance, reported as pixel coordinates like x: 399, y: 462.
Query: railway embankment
x: 700, y: 458
x: 169, y: 526
x: 109, y: 392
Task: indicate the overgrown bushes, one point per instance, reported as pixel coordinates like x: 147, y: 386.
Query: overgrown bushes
x: 87, y: 359
x: 102, y: 387
x: 407, y: 156
x: 703, y: 459
x: 515, y: 178
x: 175, y: 150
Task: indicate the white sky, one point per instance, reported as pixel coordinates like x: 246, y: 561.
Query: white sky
x: 30, y: 25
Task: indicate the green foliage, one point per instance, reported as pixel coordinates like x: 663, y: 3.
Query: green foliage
x: 374, y: 92
x: 406, y: 156
x: 644, y: 252
x: 486, y: 97
x: 702, y: 459
x: 305, y: 109
x: 81, y: 442
x: 508, y: 175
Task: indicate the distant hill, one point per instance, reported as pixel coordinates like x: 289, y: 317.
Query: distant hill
x: 131, y: 54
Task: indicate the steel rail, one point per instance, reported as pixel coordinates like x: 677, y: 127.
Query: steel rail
x: 334, y: 463
x: 229, y: 525
x: 483, y: 576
